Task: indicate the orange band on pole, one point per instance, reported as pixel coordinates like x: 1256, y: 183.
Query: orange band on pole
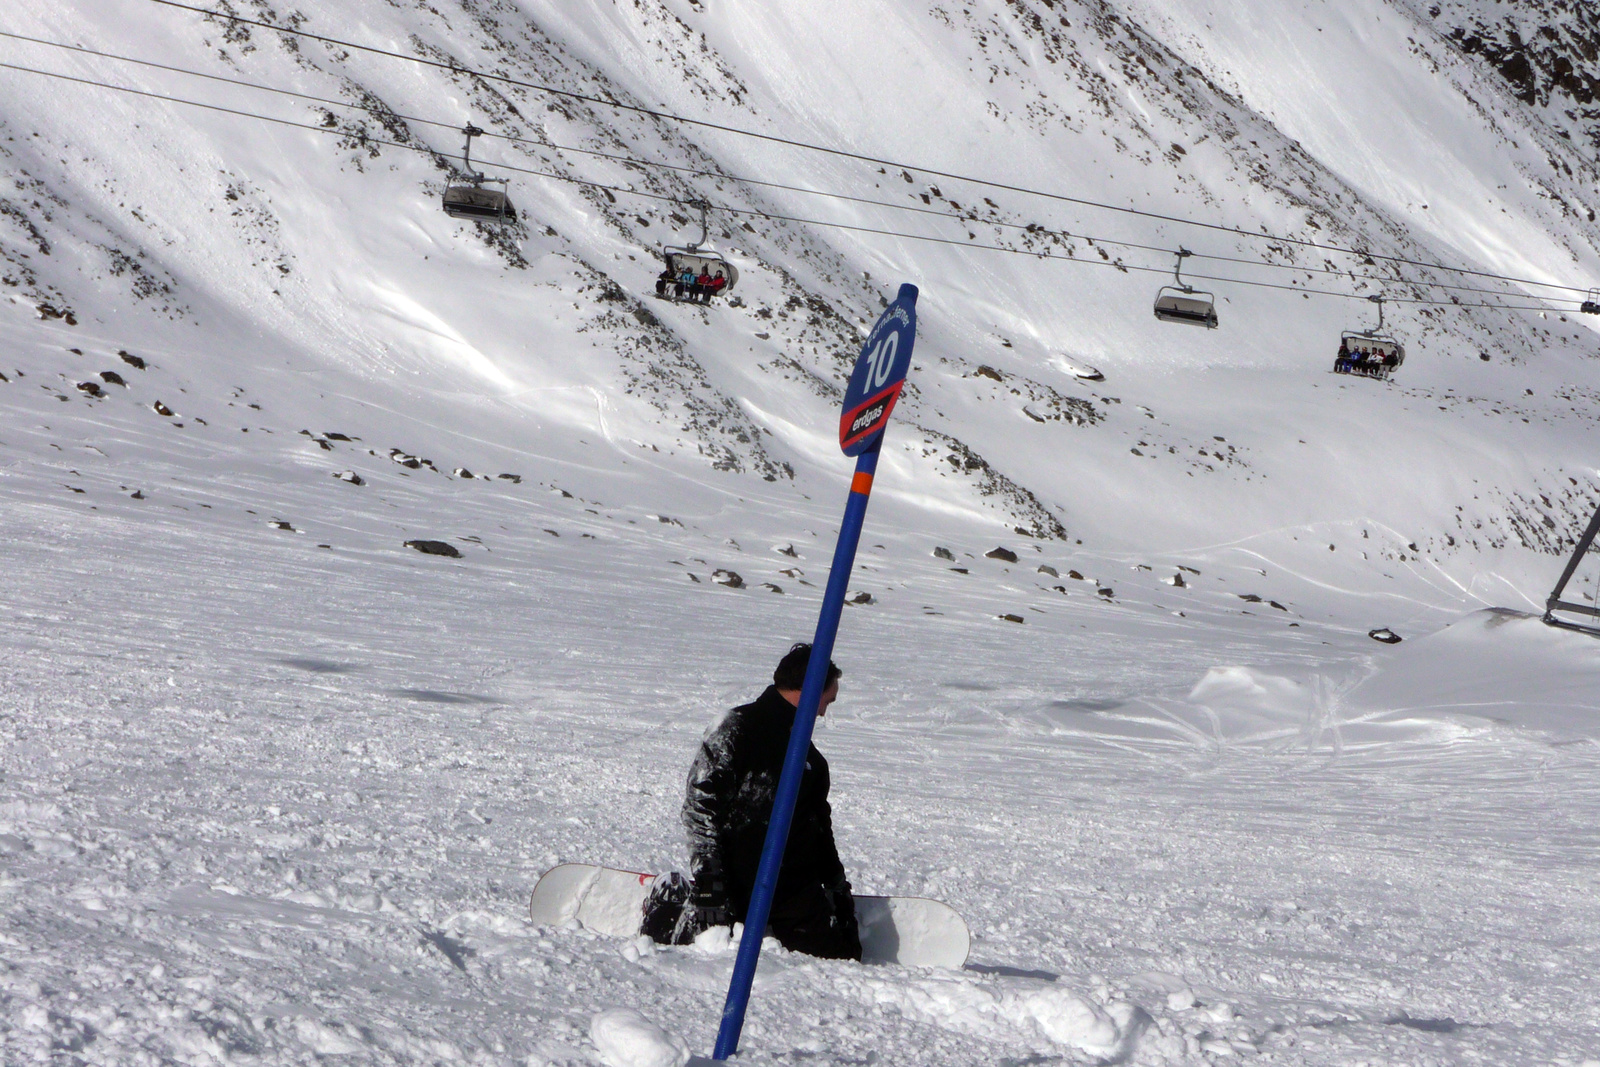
x: 861, y: 483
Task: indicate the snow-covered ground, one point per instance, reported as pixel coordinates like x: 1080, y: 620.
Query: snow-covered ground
x: 274, y: 787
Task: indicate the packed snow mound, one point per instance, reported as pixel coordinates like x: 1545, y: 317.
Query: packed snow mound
x: 1506, y: 667
x: 627, y: 1039
x: 1254, y: 701
x: 1493, y: 667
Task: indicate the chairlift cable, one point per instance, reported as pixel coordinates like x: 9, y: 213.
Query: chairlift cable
x: 757, y: 214
x: 456, y: 68
x: 700, y: 172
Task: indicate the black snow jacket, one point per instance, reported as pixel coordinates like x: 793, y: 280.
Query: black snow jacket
x: 731, y: 788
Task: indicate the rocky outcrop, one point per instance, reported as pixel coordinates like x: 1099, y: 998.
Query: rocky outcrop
x: 1547, y: 50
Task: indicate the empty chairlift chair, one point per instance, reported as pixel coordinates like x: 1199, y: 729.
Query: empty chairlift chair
x: 699, y: 258
x: 1371, y: 353
x: 1591, y: 303
x: 474, y: 201
x: 1181, y: 302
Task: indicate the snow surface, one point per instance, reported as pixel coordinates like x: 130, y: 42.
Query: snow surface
x: 627, y: 1039
x: 274, y: 788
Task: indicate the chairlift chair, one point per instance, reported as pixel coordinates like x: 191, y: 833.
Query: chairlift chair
x: 700, y: 257
x: 1591, y: 303
x: 474, y: 201
x: 1374, y: 341
x: 1182, y: 302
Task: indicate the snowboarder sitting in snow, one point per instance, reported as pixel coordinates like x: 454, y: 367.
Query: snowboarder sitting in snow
x: 729, y: 801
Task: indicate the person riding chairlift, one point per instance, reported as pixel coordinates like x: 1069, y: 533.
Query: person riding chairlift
x: 664, y: 279
x: 702, y: 286
x: 685, y: 284
x: 716, y: 286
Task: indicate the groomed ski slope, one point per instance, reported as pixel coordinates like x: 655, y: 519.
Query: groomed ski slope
x: 274, y: 788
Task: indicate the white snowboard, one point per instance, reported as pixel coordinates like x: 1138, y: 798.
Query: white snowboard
x: 913, y: 931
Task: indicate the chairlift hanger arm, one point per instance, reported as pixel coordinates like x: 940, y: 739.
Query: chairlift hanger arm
x: 1177, y: 269
x: 471, y: 131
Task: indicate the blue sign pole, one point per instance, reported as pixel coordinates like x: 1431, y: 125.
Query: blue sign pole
x: 874, y: 388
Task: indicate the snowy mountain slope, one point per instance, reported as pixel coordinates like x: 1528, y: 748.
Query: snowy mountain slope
x: 377, y: 316
x: 1346, y: 81
x: 268, y: 801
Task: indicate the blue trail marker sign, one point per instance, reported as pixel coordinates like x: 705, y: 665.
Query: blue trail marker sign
x: 874, y: 388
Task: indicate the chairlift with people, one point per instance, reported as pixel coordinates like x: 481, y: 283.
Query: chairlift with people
x: 1184, y: 303
x: 1591, y: 303
x: 474, y: 201
x: 695, y: 272
x: 1370, y: 353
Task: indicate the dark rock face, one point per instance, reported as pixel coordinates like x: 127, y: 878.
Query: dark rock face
x: 136, y: 362
x: 1012, y: 618
x: 111, y: 377
x: 1548, y: 51
x: 435, y: 548
x: 728, y: 578
x: 161, y: 409
x: 1001, y: 553
x: 1384, y: 634
x: 940, y: 552
x: 91, y: 388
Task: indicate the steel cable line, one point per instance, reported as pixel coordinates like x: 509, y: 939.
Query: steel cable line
x: 569, y: 94
x: 1030, y: 228
x: 753, y: 213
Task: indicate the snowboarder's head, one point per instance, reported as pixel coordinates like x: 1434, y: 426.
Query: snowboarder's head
x: 790, y: 676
